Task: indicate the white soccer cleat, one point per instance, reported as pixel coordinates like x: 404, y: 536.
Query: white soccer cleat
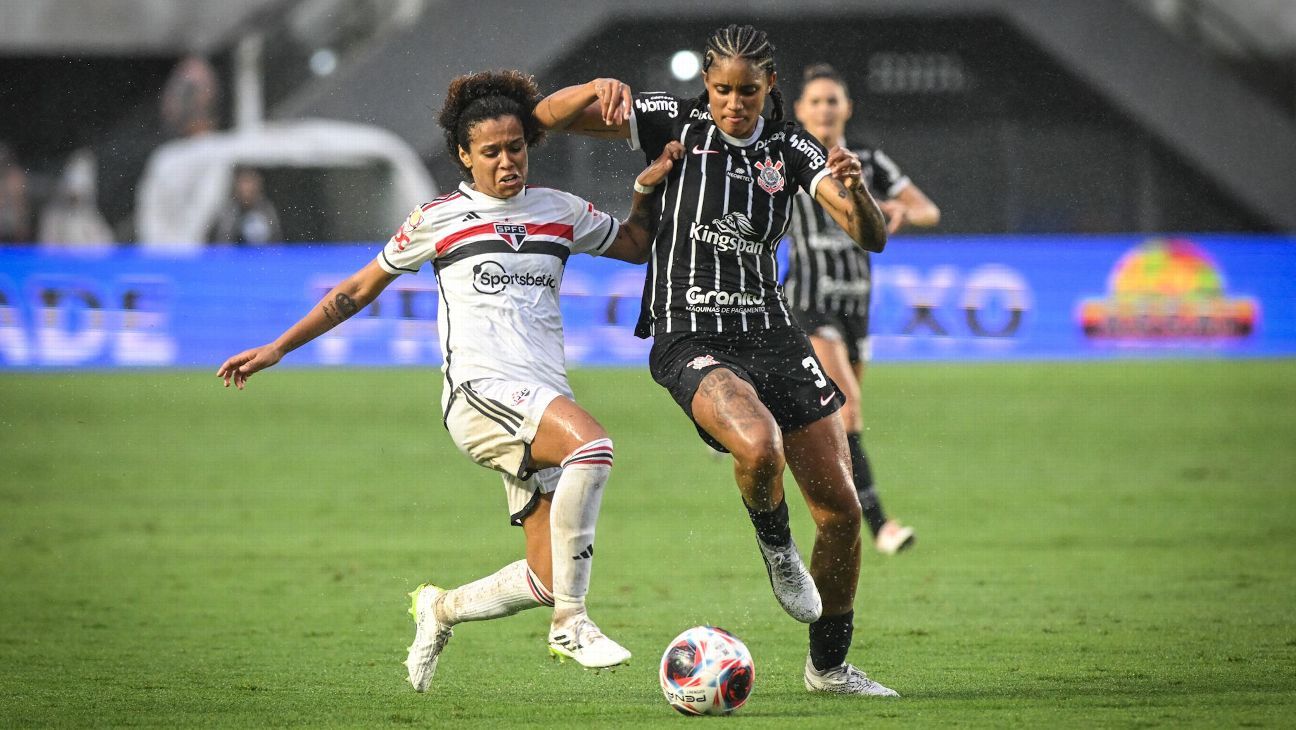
x: 894, y: 537
x: 579, y: 639
x: 792, y: 584
x: 843, y: 680
x: 430, y: 637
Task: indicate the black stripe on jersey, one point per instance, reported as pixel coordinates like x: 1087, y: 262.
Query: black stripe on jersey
x: 448, y: 351
x: 492, y: 409
x: 599, y: 248
x: 497, y: 246
x: 394, y: 266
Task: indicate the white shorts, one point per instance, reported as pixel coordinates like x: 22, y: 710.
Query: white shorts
x: 493, y: 422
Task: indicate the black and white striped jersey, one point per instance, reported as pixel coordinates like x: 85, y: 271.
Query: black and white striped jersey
x: 724, y: 208
x: 827, y: 271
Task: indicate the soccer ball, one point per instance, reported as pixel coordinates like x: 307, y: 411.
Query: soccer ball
x: 706, y: 671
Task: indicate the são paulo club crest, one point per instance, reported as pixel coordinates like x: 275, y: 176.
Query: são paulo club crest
x: 771, y: 175
x: 512, y: 233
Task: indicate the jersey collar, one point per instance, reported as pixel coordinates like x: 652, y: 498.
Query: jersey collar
x: 480, y: 197
x: 756, y: 133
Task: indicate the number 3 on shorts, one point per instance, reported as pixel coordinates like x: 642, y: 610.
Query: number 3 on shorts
x: 813, y: 366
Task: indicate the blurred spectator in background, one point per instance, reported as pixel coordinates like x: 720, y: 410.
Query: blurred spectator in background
x: 72, y: 218
x: 15, y: 210
x: 190, y: 97
x: 250, y: 219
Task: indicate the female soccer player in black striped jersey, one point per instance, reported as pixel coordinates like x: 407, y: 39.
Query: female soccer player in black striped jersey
x: 829, y: 280
x: 725, y: 344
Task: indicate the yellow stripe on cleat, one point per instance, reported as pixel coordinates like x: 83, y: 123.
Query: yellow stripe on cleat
x: 413, y: 611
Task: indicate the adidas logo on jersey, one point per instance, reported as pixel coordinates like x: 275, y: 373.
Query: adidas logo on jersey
x: 472, y: 216
x: 585, y: 554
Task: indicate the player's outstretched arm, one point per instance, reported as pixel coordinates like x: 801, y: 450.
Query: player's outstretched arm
x: 634, y: 239
x: 600, y: 108
x: 846, y: 198
x: 352, y: 295
x: 912, y: 207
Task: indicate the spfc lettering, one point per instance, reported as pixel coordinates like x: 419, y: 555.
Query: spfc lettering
x: 512, y: 233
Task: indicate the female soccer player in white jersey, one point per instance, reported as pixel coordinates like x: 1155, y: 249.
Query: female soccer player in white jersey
x: 725, y: 345
x: 829, y: 281
x: 497, y: 248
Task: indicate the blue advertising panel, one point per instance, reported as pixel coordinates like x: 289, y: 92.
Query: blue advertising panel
x: 977, y: 298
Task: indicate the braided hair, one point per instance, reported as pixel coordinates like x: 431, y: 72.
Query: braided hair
x: 746, y: 42
x: 475, y: 98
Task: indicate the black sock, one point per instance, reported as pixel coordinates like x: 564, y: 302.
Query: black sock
x: 872, y: 506
x: 830, y: 639
x: 772, y: 527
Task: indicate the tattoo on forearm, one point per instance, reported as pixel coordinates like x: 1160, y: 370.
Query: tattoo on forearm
x: 342, y: 307
x: 346, y: 305
x: 642, y: 217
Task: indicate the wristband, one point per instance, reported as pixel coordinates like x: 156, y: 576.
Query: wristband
x: 645, y: 189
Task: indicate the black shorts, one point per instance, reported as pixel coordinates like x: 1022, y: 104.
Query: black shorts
x: 851, y: 329
x: 779, y: 363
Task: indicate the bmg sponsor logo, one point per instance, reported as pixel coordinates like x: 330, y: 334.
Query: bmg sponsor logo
x: 1167, y: 290
x: 490, y: 277
x: 667, y: 104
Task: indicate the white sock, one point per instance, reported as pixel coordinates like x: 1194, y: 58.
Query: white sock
x: 572, y: 517
x: 511, y: 589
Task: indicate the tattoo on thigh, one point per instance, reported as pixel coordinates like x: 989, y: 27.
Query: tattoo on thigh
x: 729, y: 404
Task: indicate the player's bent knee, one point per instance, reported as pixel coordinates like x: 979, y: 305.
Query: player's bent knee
x: 842, y: 516
x: 760, y: 452
x: 592, y: 454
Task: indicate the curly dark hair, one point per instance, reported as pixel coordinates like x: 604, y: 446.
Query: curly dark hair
x: 749, y: 43
x: 484, y: 95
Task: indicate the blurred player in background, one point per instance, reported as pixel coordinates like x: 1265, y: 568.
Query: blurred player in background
x: 724, y: 342
x: 498, y: 249
x: 829, y: 280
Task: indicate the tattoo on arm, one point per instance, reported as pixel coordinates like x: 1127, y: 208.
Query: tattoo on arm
x: 345, y: 304
x: 342, y: 307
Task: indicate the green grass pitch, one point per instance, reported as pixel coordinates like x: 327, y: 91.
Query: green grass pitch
x: 1107, y: 544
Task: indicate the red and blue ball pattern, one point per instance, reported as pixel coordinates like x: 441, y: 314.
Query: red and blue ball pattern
x: 706, y: 671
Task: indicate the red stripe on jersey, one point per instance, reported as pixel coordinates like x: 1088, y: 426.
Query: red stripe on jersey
x: 556, y: 230
x: 444, y: 244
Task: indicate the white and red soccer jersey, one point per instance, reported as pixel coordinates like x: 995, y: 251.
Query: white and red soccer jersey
x: 499, y: 264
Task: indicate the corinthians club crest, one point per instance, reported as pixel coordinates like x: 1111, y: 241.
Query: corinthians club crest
x: 771, y: 175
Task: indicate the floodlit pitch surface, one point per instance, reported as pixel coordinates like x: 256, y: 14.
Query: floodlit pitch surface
x: 1099, y: 545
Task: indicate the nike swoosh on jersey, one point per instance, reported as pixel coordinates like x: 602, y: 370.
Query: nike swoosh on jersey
x: 825, y: 399
x: 699, y: 151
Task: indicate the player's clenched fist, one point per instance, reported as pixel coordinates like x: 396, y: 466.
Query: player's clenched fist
x: 240, y: 367
x: 844, y: 166
x: 660, y: 167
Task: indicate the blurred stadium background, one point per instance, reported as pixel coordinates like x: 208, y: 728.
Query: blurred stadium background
x: 1118, y: 183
